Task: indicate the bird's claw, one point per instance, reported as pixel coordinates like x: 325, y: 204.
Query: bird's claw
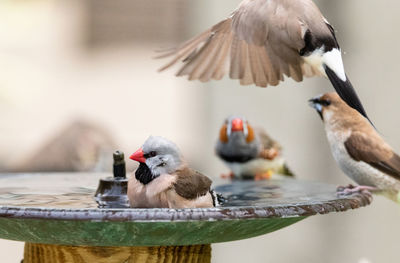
x: 342, y: 188
x: 351, y: 189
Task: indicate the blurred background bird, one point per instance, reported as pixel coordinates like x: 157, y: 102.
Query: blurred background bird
x: 80, y: 146
x: 249, y: 152
x: 163, y: 179
x: 360, y: 151
x: 261, y: 42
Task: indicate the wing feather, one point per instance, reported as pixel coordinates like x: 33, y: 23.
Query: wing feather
x: 223, y: 62
x: 198, y: 64
x: 247, y: 77
x: 184, y: 50
x: 257, y: 69
x: 215, y: 61
x: 266, y: 141
x: 374, y: 151
x: 235, y: 65
x: 253, y: 44
x: 191, y: 184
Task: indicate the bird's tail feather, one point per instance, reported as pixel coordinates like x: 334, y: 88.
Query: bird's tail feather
x: 286, y: 171
x: 346, y: 91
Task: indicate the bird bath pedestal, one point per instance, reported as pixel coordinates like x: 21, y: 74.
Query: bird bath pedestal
x: 59, y: 221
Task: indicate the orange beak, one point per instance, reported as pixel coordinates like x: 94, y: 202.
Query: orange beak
x: 138, y: 156
x: 237, y: 125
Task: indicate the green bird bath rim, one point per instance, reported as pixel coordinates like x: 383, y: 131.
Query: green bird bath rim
x: 56, y: 209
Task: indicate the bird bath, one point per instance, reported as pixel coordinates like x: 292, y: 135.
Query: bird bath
x: 58, y: 218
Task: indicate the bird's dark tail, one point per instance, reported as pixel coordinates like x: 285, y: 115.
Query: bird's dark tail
x: 346, y: 91
x: 286, y: 171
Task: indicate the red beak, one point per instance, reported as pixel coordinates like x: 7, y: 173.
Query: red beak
x: 237, y: 125
x: 138, y: 156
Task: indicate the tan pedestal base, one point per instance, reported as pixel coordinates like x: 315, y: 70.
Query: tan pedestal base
x: 41, y: 253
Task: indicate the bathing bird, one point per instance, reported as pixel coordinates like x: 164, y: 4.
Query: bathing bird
x: 261, y: 42
x: 362, y: 154
x: 249, y: 152
x: 164, y: 180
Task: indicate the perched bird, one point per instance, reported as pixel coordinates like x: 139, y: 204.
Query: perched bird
x: 357, y: 147
x: 249, y: 152
x: 163, y: 179
x: 263, y: 40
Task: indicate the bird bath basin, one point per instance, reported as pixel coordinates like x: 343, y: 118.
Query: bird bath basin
x: 60, y: 210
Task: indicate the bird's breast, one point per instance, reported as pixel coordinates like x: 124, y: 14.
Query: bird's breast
x: 315, y: 60
x: 153, y: 194
x: 349, y: 166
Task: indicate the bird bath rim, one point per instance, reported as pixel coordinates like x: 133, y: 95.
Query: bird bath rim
x: 55, y: 221
x: 340, y: 204
x: 176, y: 215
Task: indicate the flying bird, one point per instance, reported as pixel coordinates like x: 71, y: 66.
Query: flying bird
x: 164, y: 180
x: 357, y: 147
x: 263, y: 40
x: 248, y: 151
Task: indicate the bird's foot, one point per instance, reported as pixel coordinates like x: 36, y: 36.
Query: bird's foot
x: 263, y: 176
x: 351, y: 189
x: 228, y: 176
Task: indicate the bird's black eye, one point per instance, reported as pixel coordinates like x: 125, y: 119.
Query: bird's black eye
x: 150, y: 154
x: 325, y: 102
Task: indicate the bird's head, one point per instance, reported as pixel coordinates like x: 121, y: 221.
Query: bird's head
x: 160, y: 155
x: 327, y: 105
x: 236, y: 129
x: 237, y: 139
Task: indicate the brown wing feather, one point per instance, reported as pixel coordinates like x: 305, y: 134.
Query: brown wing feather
x: 269, y: 147
x: 247, y: 78
x: 375, y: 152
x: 191, y: 184
x: 258, y: 44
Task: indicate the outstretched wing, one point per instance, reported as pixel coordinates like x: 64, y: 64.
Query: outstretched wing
x: 259, y: 43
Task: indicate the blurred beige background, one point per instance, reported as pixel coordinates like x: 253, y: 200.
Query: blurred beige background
x: 92, y: 60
